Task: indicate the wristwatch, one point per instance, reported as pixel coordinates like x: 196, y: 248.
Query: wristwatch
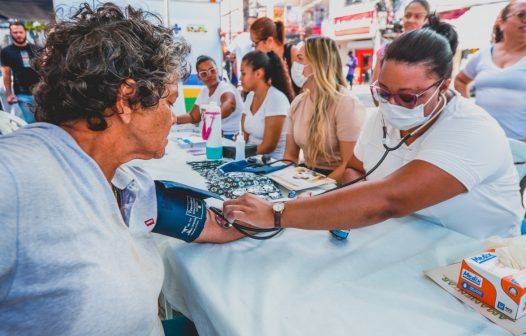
x: 278, y: 211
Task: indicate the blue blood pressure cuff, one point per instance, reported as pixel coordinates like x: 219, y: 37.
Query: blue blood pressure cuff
x: 181, y: 210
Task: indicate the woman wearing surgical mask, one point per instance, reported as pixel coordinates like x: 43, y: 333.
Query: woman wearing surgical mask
x: 416, y: 14
x: 450, y: 161
x: 325, y: 120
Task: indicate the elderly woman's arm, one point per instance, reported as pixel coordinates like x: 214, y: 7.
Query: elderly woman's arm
x: 413, y: 187
x: 214, y: 233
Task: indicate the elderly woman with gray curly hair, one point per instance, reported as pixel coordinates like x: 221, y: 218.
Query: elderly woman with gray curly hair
x: 77, y: 253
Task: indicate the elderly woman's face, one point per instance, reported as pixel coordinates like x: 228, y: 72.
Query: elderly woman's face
x: 150, y: 126
x: 410, y: 79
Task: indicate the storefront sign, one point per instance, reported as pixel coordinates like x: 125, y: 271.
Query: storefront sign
x: 354, y: 24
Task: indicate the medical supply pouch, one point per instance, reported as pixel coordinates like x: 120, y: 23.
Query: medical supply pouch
x: 247, y: 167
x: 181, y: 210
x: 235, y: 184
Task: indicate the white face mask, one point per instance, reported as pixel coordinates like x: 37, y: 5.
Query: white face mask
x: 297, y: 75
x: 404, y: 118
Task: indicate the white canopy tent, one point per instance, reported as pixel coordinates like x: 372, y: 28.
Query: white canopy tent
x: 475, y: 26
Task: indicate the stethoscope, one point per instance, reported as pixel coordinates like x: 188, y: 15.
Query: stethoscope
x: 389, y: 149
x: 250, y: 232
x: 263, y: 234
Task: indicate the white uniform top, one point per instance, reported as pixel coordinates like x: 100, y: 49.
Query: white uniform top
x: 70, y: 263
x: 467, y: 143
x: 230, y: 124
x: 275, y: 104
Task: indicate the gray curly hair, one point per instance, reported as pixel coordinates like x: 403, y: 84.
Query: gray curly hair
x: 89, y: 56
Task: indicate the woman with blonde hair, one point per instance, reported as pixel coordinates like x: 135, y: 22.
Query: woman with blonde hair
x: 325, y: 120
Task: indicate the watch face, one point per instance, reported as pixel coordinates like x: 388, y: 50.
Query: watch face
x: 278, y: 207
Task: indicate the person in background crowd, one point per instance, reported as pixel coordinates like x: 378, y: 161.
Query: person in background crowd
x: 268, y: 35
x: 453, y: 166
x: 267, y: 103
x: 222, y: 93
x: 325, y: 120
x: 499, y: 72
x: 228, y: 60
x: 351, y: 66
x: 240, y: 46
x: 17, y: 61
x: 76, y: 219
x: 415, y: 17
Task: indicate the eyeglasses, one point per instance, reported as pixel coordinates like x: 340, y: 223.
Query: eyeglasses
x: 205, y: 73
x: 521, y: 15
x: 255, y: 43
x: 408, y: 100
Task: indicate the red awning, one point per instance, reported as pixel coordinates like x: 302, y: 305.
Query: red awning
x: 453, y: 14
x: 354, y: 24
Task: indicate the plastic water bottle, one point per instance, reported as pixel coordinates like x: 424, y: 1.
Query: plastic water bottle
x: 212, y: 131
x: 240, y: 145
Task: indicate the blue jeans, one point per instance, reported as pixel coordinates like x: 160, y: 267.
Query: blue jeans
x: 26, y: 102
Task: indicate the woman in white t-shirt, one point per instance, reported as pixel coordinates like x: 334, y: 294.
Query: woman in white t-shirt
x: 222, y: 93
x: 499, y: 72
x: 267, y: 103
x: 449, y: 162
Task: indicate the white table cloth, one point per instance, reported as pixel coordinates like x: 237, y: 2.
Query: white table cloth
x: 307, y: 283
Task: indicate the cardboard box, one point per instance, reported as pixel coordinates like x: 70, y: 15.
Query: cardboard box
x: 495, y: 284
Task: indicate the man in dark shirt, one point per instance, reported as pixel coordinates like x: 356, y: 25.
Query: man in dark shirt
x: 16, y: 61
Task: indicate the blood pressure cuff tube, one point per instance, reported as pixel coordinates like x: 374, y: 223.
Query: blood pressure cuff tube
x: 181, y: 210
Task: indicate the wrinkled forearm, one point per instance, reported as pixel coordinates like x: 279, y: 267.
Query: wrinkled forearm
x: 214, y: 233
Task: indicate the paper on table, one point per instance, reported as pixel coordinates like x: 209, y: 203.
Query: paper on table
x: 447, y: 276
x: 299, y: 178
x: 186, y: 141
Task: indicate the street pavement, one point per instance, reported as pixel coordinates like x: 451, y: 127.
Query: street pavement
x: 364, y: 95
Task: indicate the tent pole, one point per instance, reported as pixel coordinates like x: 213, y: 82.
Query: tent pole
x: 167, y: 13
